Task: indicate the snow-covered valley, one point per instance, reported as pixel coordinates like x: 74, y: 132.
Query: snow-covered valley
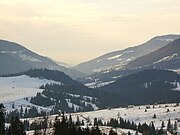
x: 16, y: 89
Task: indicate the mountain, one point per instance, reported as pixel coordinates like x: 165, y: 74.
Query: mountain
x: 167, y: 57
x: 109, y: 75
x: 51, y: 89
x: 116, y: 60
x: 16, y: 58
x: 63, y: 64
x: 10, y: 64
x: 145, y: 87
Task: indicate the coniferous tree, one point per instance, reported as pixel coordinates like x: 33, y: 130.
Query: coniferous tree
x: 26, y: 125
x: 95, y: 122
x: 2, y: 120
x: 160, y: 132
x: 26, y: 113
x: 78, y: 121
x: 152, y: 128
x: 96, y: 131
x: 21, y: 129
x: 175, y: 126
x: 44, y: 124
x: 100, y: 123
x: 16, y: 127
x: 82, y: 122
x: 21, y: 112
x: 162, y: 125
x: 145, y: 129
x: 61, y: 128
x: 70, y: 120
x: 37, y: 130
x: 111, y: 132
x: 169, y: 126
x: 154, y: 116
x: 13, y: 106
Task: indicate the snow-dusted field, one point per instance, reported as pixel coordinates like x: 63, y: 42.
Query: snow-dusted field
x: 136, y: 114
x: 15, y: 89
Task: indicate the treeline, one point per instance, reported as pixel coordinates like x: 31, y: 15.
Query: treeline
x: 24, y: 112
x: 46, y: 74
x: 126, y: 124
x: 16, y: 127
x: 60, y: 95
x: 144, y: 128
x: 67, y: 126
x: 146, y: 87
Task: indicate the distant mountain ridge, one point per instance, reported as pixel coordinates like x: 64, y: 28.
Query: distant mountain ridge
x: 116, y: 60
x: 109, y: 75
x: 167, y: 57
x: 16, y: 58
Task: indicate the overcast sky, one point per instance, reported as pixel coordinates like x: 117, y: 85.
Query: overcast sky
x: 73, y: 31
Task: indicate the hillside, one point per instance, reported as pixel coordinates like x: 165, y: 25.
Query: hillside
x: 136, y: 114
x: 10, y: 64
x: 38, y: 92
x: 116, y: 60
x: 56, y: 91
x: 147, y: 87
x: 167, y: 57
x: 16, y: 58
x: 47, y: 89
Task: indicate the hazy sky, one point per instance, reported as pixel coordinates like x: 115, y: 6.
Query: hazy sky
x: 78, y: 30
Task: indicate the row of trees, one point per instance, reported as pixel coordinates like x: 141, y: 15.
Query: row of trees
x: 121, y: 123
x: 24, y: 113
x: 2, y: 120
x: 16, y: 127
x: 57, y: 95
x: 66, y: 126
x: 142, y: 128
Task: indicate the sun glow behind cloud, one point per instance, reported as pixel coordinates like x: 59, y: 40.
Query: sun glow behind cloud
x: 77, y: 30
